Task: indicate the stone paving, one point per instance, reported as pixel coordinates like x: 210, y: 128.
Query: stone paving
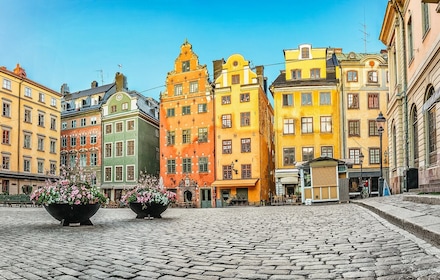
x: 333, y: 241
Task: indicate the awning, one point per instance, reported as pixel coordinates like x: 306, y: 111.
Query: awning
x: 431, y: 101
x: 289, y: 180
x: 236, y: 183
x: 357, y: 174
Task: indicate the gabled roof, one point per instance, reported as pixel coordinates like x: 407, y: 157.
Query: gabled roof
x: 88, y: 92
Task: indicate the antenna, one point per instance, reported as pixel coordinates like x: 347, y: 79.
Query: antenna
x: 120, y: 66
x: 102, y: 76
x: 364, y: 32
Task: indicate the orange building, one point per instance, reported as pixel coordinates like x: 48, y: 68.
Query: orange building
x: 187, y: 131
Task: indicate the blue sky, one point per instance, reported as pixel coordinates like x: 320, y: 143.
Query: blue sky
x: 78, y: 41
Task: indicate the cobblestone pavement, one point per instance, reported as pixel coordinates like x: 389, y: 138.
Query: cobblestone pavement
x: 337, y: 241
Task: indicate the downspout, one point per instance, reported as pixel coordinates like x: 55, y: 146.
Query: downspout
x: 342, y: 121
x: 405, y: 97
x: 19, y: 133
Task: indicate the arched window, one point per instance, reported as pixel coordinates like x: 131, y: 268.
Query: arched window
x: 394, y: 138
x: 414, y: 134
x: 431, y: 129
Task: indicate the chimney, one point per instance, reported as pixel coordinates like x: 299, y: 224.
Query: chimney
x: 121, y: 82
x: 260, y: 76
x: 64, y: 89
x: 20, y: 71
x: 218, y: 66
x: 94, y: 84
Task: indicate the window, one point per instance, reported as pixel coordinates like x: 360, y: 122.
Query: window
x: 288, y: 156
x: 6, y: 136
x: 245, y: 97
x: 372, y: 77
x: 227, y: 172
x: 63, y: 159
x: 124, y: 106
x: 171, y: 138
x: 373, y: 101
x: 93, y: 120
x: 409, y: 29
x: 118, y: 151
x: 6, y: 162
x: 130, y: 148
x: 354, y: 128
x: 6, y: 112
x: 40, y: 142
x: 246, y: 145
x: 64, y: 125
x: 186, y: 136
x: 324, y: 98
x: 53, y: 123
x: 27, y: 92
x: 113, y: 109
x: 170, y: 112
x: 40, y: 167
x: 41, y: 97
x: 186, y: 165
x: 27, y: 141
x: 178, y: 89
x: 194, y: 87
x: 108, y: 174
x: 372, y: 128
x: 64, y: 141
x: 41, y: 119
x: 414, y: 133
x: 171, y: 166
x: 315, y: 73
x: 226, y: 99
x: 307, y: 153
x: 203, y: 135
x: 432, y: 129
x: 296, y: 74
x: 289, y: 126
x: 307, y: 125
x: 93, y: 159
x: 6, y: 84
x: 352, y: 76
x: 374, y: 155
x: 93, y: 139
x: 83, y: 160
x: 327, y: 151
x: 53, y: 146
x: 185, y: 66
x: 118, y: 173
x: 108, y: 128
x: 306, y: 98
x: 287, y: 100
x: 53, y: 168
x: 72, y: 160
x: 203, y: 164
x: 27, y: 115
x: 353, y: 101
x: 73, y: 141
x: 326, y: 124
x: 354, y: 155
x: 305, y: 52
x: 108, y: 150
x: 227, y: 146
x: 246, y: 171
x: 118, y: 127
x: 83, y: 122
x: 202, y: 108
x: 130, y: 125
x: 186, y: 110
x: 82, y: 140
x: 27, y: 165
x: 226, y: 121
x: 130, y: 173
x: 425, y: 17
x: 235, y: 79
x: 245, y: 119
x: 73, y: 124
x: 53, y: 102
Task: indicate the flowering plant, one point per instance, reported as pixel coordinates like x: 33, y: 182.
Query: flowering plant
x: 72, y: 188
x: 149, y: 189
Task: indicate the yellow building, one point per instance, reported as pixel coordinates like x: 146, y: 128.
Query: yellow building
x: 30, y: 126
x: 307, y: 117
x: 243, y: 134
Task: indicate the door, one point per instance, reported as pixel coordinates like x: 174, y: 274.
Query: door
x: 206, y: 198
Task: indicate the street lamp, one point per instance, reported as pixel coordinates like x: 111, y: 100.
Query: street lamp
x: 380, y: 120
x: 361, y: 161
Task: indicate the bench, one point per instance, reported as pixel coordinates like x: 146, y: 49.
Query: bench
x: 15, y: 199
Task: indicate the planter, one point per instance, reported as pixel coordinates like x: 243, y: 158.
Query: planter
x: 73, y: 214
x: 148, y: 210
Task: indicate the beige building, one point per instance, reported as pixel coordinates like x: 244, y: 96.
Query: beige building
x: 411, y: 31
x: 30, y: 127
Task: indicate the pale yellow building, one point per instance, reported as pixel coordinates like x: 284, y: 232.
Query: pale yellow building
x: 243, y: 133
x: 30, y: 127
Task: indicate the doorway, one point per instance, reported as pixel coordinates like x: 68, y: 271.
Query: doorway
x: 206, y: 198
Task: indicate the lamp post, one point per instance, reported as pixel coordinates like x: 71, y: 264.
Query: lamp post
x: 361, y: 161
x: 380, y: 120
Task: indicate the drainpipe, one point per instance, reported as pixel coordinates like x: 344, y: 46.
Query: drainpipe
x: 19, y: 133
x: 342, y: 121
x: 405, y: 97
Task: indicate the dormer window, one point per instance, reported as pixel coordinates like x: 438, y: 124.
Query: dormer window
x: 305, y: 52
x: 296, y: 74
x: 315, y: 73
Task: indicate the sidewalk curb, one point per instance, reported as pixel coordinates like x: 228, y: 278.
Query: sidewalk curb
x: 420, y: 231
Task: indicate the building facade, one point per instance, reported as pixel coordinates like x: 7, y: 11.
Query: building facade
x: 411, y: 32
x: 244, y: 148
x: 187, y: 140
x: 130, y: 139
x: 30, y: 127
x: 308, y: 117
x: 364, y: 92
